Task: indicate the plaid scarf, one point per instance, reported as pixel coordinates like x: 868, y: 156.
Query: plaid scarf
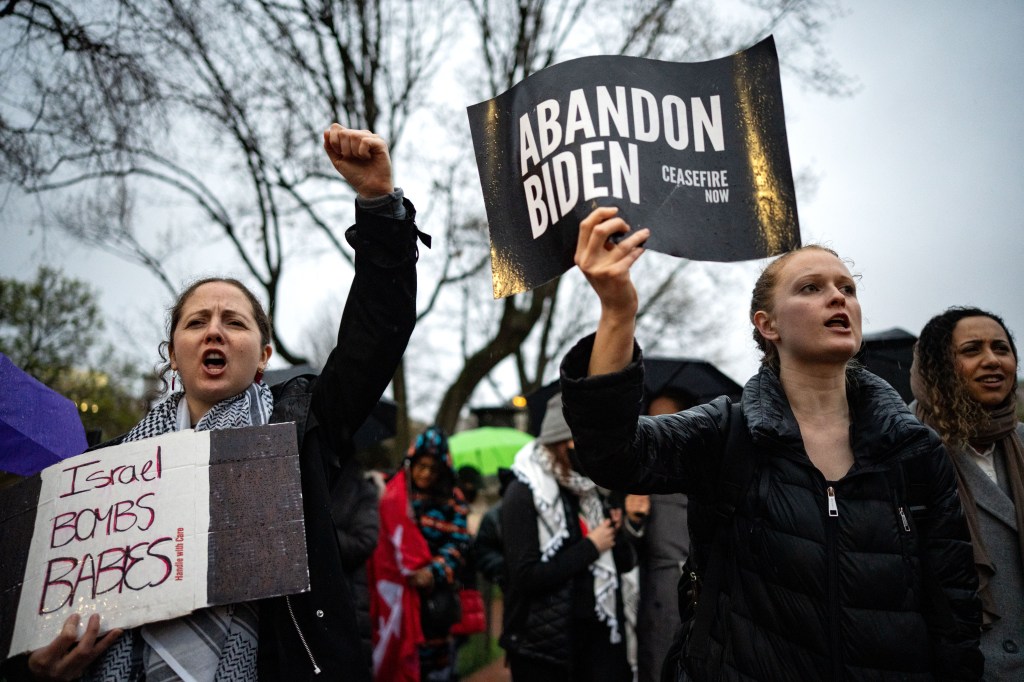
x: 217, y: 643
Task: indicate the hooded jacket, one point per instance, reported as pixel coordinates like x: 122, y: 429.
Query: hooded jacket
x: 827, y: 580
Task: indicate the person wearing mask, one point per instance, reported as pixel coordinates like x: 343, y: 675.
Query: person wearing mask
x: 964, y: 380
x: 563, y: 613
x: 845, y: 555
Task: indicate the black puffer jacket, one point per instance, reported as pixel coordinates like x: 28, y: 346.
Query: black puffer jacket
x: 539, y: 600
x: 807, y: 596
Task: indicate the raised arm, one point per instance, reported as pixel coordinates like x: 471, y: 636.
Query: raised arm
x: 606, y: 266
x: 380, y: 311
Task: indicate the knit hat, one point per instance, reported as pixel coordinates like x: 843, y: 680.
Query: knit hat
x: 554, y: 429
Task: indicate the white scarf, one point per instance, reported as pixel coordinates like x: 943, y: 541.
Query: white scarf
x: 534, y: 467
x: 216, y: 643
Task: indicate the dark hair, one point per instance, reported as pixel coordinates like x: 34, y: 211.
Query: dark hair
x: 952, y: 411
x: 174, y: 317
x: 470, y: 481
x: 763, y: 298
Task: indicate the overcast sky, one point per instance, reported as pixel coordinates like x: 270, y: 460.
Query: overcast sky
x: 920, y: 174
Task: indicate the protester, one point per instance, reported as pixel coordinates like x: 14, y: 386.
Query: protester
x: 563, y: 612
x: 964, y: 379
x: 822, y: 569
x: 470, y: 482
x: 416, y: 566
x: 354, y: 508
x: 218, y: 345
x: 488, y: 548
x: 657, y: 524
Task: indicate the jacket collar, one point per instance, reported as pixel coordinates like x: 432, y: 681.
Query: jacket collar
x: 882, y: 425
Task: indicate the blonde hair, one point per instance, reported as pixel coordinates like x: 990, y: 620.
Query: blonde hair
x: 763, y: 298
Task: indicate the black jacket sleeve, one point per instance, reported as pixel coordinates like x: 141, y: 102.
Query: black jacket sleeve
x: 527, y: 574
x: 620, y: 449
x: 488, y: 550
x: 951, y: 604
x: 375, y: 326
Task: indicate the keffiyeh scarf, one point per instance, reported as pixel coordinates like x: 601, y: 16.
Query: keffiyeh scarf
x: 217, y: 643
x: 533, y: 466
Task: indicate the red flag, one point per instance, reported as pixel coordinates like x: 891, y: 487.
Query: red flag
x: 394, y: 604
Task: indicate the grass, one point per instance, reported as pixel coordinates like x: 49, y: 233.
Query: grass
x: 477, y: 652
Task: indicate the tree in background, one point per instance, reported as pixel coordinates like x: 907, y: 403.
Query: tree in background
x: 50, y: 328
x: 49, y: 325
x: 215, y: 106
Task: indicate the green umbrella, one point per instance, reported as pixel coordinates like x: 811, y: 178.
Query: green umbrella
x: 487, y: 448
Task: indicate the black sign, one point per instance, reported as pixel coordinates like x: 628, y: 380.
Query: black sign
x: 695, y: 152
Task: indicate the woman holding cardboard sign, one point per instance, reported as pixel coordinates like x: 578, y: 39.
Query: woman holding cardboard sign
x: 218, y: 344
x: 827, y: 538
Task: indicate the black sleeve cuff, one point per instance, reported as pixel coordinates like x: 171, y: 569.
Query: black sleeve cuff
x: 387, y: 241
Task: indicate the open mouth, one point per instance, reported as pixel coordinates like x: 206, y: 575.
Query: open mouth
x: 214, y: 360
x: 838, y: 322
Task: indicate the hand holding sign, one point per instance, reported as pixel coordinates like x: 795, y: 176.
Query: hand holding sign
x: 146, y: 531
x: 67, y: 657
x: 606, y: 263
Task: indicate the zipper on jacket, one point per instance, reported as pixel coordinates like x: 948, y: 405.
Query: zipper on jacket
x: 833, y: 508
x: 295, y: 622
x: 833, y: 580
x: 903, y: 519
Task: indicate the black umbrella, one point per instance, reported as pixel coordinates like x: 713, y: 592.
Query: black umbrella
x: 693, y: 381
x: 889, y: 354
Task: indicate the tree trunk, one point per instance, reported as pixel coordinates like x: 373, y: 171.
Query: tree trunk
x: 513, y: 329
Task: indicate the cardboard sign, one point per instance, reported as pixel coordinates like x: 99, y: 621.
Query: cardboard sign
x: 695, y: 152
x: 151, y: 530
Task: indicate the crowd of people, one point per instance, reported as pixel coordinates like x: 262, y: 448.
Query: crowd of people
x: 818, y: 528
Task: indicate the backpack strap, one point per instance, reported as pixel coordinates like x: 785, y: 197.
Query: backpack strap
x: 738, y: 468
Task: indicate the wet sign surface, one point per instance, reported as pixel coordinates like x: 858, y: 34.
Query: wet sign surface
x: 151, y: 530
x: 695, y: 152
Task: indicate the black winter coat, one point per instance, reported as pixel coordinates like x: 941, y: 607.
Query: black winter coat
x: 543, y: 598
x: 806, y: 595
x: 315, y: 635
x: 316, y: 631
